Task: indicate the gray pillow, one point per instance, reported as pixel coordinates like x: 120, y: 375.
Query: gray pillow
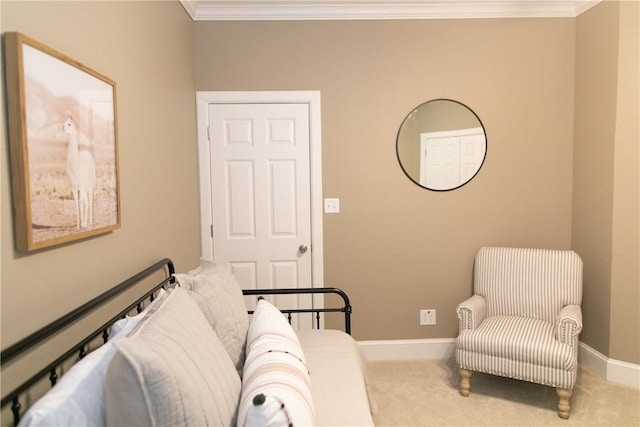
x: 219, y: 296
x: 172, y: 370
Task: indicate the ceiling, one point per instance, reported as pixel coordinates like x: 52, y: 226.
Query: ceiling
x: 263, y: 10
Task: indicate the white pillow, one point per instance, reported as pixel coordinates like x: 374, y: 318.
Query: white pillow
x: 172, y: 370
x: 78, y: 398
x: 276, y: 386
x: 124, y: 326
x: 219, y: 296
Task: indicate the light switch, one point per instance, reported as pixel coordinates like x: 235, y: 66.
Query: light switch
x: 331, y: 205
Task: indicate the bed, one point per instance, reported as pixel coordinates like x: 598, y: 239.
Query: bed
x: 111, y: 373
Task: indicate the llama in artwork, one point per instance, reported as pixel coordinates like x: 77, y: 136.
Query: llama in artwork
x: 81, y: 169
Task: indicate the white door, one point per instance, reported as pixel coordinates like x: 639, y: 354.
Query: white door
x: 450, y: 158
x: 442, y: 166
x: 472, y: 151
x: 261, y: 201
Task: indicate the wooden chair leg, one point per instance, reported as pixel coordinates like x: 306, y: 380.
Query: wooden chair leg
x: 465, y: 385
x: 563, y: 404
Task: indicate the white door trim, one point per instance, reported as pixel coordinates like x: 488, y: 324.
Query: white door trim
x: 312, y: 98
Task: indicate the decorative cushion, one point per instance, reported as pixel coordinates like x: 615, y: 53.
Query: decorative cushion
x: 219, y: 296
x: 276, y: 385
x: 267, y: 322
x: 78, y: 398
x: 172, y: 370
x: 267, y: 411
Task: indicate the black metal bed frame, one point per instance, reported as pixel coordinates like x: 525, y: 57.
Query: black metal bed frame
x: 43, y: 334
x: 80, y: 349
x: 346, y: 309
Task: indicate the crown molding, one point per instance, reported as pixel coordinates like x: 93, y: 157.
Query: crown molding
x: 287, y: 10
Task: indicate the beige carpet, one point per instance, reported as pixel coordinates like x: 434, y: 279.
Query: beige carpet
x: 425, y: 393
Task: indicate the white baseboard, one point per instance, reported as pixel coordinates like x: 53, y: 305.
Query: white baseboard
x: 623, y: 373
x: 616, y: 371
x: 593, y: 360
x: 441, y: 348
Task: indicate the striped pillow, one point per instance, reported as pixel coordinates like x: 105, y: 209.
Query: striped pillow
x: 276, y: 385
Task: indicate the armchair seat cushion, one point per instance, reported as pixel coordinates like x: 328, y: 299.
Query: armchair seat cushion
x: 519, y: 339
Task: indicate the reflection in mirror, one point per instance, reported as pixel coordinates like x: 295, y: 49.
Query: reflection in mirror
x: 441, y: 144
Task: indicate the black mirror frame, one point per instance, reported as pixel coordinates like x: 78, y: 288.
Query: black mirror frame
x: 484, y: 130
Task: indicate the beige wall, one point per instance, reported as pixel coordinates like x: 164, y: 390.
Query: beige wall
x: 606, y: 182
x: 146, y: 48
x: 395, y: 247
x: 595, y: 112
x: 625, y: 277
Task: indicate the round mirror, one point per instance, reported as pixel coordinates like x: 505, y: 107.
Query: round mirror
x: 441, y: 145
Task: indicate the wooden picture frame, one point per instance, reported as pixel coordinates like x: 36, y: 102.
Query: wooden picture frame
x: 63, y: 139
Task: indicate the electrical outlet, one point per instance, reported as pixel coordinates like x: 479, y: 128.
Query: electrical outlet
x: 428, y: 317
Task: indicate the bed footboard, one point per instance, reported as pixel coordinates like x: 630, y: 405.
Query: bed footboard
x: 345, y: 308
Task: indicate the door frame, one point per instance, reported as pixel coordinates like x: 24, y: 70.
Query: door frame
x: 312, y: 98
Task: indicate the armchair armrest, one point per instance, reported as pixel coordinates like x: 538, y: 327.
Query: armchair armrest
x: 569, y: 324
x: 471, y: 312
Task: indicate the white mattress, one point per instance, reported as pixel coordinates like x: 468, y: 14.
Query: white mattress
x: 338, y: 378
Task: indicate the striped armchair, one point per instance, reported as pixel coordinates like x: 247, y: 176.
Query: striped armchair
x: 524, y: 319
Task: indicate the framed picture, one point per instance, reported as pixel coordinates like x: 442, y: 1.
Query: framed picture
x: 63, y: 139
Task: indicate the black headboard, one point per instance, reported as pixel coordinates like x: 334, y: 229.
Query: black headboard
x: 26, y: 344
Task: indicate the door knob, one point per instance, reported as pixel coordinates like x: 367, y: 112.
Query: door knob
x: 302, y: 248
